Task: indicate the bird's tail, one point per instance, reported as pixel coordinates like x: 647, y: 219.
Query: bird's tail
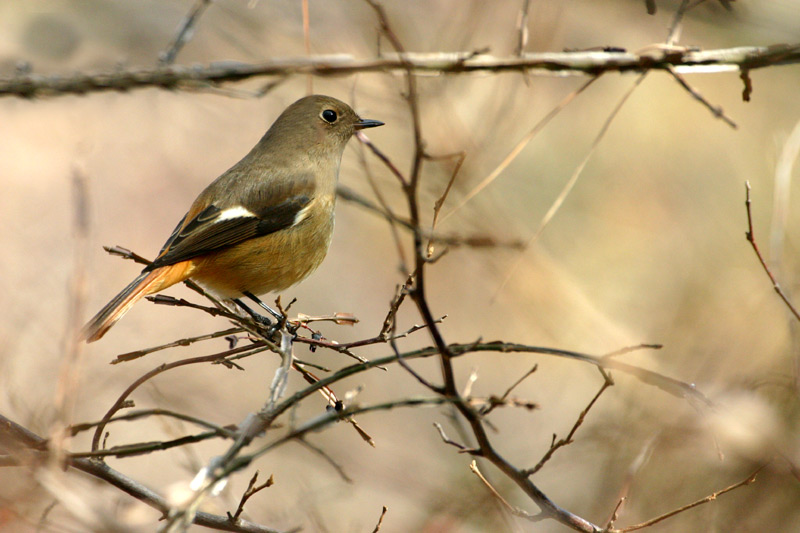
x: 146, y: 283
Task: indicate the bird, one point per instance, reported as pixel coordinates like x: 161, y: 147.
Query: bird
x: 262, y: 226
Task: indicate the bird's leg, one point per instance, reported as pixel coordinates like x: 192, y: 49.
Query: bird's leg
x: 279, y: 317
x: 282, y: 320
x: 260, y: 319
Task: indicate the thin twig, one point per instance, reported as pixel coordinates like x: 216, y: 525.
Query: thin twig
x: 181, y: 342
x: 710, y: 498
x: 513, y: 386
x: 570, y: 184
x: 391, y: 217
x: 184, y: 33
x: 281, y: 378
x: 448, y: 440
x: 144, y: 413
x: 363, y: 139
x: 448, y: 239
x: 322, y: 453
x: 715, y: 110
x: 569, y: 438
x: 630, y: 474
x: 221, y: 468
x: 437, y: 207
x: 516, y: 511
x: 674, y: 33
x: 416, y: 375
x: 750, y: 236
x: 20, y: 436
x: 628, y: 349
x: 251, y: 490
x: 143, y: 448
x: 509, y: 158
x: 307, y: 43
x: 380, y: 520
x: 522, y: 27
x: 391, y: 316
x: 120, y: 402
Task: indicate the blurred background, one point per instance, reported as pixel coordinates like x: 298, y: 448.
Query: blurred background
x: 648, y: 248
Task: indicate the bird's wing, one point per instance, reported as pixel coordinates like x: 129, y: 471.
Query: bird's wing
x: 229, y: 221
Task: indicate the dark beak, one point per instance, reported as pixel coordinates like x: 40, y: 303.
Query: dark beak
x: 367, y: 123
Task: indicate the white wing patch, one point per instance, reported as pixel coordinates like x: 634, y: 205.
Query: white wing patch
x: 234, y: 212
x: 318, y: 204
x: 302, y: 214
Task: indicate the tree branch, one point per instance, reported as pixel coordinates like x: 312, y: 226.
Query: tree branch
x: 576, y: 63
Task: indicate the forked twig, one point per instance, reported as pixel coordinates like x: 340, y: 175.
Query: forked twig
x: 488, y: 409
x: 251, y: 490
x: 555, y: 445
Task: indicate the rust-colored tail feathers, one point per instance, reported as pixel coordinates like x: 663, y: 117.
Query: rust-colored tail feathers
x: 146, y: 283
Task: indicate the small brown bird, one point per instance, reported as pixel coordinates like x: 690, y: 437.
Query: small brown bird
x: 263, y: 225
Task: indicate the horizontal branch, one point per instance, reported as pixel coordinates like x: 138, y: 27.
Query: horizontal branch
x: 683, y: 60
x: 22, y: 440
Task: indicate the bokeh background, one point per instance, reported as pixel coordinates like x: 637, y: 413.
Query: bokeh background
x: 649, y: 247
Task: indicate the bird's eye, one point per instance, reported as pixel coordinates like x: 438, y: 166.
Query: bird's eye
x: 329, y: 116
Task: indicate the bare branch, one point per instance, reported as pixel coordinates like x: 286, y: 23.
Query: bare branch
x: 568, y: 439
x: 251, y: 490
x: 715, y: 110
x: 573, y: 179
x: 522, y: 27
x: 509, y: 158
x: 384, y: 208
x: 380, y: 520
x: 158, y: 370
x: 516, y: 511
x: 447, y: 440
x: 710, y: 498
x: 502, y: 399
x: 184, y: 33
x: 322, y: 453
x: 752, y: 240
x: 582, y: 63
x: 181, y: 342
x: 18, y: 436
x: 437, y: 207
x: 143, y: 413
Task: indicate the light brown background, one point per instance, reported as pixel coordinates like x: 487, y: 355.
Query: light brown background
x: 649, y: 247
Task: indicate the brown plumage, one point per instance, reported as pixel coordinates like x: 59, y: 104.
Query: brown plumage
x: 263, y: 225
